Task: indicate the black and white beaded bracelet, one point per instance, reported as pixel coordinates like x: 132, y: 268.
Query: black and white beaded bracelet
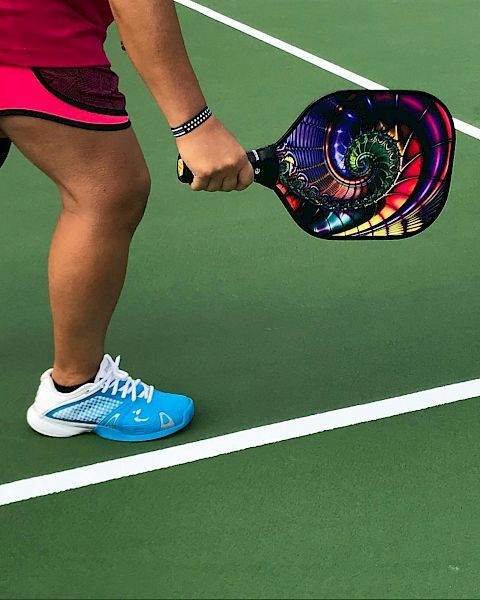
x: 193, y: 123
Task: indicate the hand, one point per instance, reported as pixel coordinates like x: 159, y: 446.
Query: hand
x: 217, y: 161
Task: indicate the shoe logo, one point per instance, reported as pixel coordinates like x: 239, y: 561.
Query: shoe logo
x: 137, y: 418
x: 166, y: 421
x: 112, y: 421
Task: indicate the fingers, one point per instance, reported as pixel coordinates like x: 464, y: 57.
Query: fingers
x: 229, y: 183
x: 224, y: 182
x: 200, y: 183
x: 218, y: 182
x: 245, y: 177
x: 215, y: 184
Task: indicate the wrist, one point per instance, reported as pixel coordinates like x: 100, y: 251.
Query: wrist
x: 210, y: 128
x: 193, y: 123
x: 179, y: 106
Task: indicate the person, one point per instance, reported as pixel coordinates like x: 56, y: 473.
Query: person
x: 61, y: 107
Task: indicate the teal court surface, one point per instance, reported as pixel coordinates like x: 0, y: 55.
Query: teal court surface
x: 227, y: 301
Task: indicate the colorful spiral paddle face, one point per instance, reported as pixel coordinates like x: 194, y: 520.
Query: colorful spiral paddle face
x: 373, y: 164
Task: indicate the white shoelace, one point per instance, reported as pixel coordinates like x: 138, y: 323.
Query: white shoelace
x: 111, y: 376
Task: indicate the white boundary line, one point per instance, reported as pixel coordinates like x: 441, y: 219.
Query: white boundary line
x: 71, y: 479
x: 326, y: 65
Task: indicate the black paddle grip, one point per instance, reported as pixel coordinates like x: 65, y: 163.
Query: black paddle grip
x: 264, y: 162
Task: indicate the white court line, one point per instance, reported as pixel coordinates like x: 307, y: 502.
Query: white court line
x: 326, y: 65
x: 109, y: 470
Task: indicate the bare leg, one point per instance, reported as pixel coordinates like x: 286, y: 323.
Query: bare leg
x: 87, y: 265
x: 104, y: 185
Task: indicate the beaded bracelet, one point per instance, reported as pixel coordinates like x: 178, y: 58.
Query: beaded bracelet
x: 193, y: 123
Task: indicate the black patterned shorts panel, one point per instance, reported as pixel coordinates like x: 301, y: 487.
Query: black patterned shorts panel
x: 91, y: 88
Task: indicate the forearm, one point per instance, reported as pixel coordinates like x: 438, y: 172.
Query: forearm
x: 151, y: 34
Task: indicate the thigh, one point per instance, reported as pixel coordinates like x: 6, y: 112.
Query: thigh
x: 81, y: 162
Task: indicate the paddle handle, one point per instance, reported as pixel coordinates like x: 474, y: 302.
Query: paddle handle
x: 264, y: 162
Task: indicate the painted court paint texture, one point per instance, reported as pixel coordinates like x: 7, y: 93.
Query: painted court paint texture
x: 32, y: 31
x: 388, y: 508
x: 308, y: 57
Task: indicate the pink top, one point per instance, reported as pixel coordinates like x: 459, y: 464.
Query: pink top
x: 54, y: 33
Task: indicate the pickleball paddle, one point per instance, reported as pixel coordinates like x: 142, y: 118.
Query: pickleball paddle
x: 361, y: 164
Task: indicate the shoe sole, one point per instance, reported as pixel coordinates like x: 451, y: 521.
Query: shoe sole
x: 53, y: 428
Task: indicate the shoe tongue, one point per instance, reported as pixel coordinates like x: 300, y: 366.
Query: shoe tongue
x: 106, y: 366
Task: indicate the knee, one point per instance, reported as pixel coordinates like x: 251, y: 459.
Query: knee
x: 139, y: 193
x: 127, y: 200
x: 118, y: 202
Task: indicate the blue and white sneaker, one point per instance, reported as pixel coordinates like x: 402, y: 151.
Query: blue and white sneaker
x: 114, y: 406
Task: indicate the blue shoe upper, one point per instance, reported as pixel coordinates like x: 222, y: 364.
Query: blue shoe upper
x: 165, y: 411
x: 126, y: 406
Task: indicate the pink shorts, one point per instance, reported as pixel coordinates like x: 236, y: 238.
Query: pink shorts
x: 85, y: 97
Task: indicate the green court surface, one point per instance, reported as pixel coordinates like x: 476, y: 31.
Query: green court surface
x: 227, y: 301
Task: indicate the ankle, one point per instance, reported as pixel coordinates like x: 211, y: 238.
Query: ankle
x: 69, y: 378
x: 66, y: 389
